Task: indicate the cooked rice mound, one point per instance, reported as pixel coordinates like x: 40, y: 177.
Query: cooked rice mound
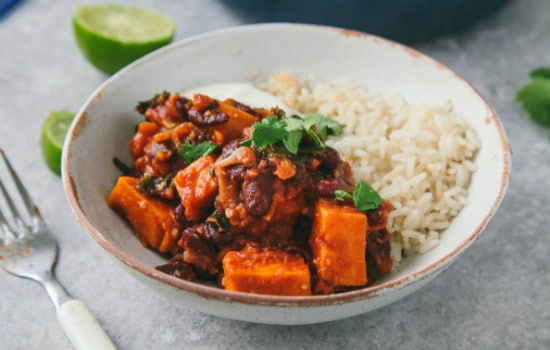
x: 418, y: 156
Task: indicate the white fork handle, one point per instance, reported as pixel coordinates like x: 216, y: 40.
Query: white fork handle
x: 82, y: 328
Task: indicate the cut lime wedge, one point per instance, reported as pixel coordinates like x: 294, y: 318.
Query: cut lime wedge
x: 54, y: 130
x: 112, y: 36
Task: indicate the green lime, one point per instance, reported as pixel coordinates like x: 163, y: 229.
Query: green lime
x: 53, y: 134
x: 112, y: 36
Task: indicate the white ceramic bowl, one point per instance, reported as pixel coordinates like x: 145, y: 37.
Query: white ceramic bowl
x: 252, y: 53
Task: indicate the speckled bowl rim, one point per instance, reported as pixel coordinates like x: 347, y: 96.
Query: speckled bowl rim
x: 210, y: 292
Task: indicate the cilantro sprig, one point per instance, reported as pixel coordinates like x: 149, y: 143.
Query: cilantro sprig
x: 535, y: 96
x: 191, y: 152
x: 268, y: 132
x: 363, y: 195
x: 290, y: 131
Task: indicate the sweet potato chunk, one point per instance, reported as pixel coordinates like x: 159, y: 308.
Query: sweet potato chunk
x: 197, y: 188
x: 151, y: 218
x: 338, y: 243
x: 265, y: 272
x: 238, y: 120
x: 145, y: 132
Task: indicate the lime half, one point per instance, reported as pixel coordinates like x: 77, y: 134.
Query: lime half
x: 112, y: 36
x: 54, y: 130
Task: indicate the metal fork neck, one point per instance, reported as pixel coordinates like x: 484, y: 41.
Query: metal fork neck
x: 55, y: 290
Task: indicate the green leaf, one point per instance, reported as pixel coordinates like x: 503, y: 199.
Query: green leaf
x: 220, y: 220
x: 341, y: 195
x: 190, y: 152
x: 316, y: 138
x: 325, y: 126
x: 535, y: 97
x: 295, y: 129
x: 246, y: 143
x: 294, y: 123
x: 365, y: 197
x: 541, y: 72
x: 269, y: 131
x: 290, y: 131
x: 292, y: 141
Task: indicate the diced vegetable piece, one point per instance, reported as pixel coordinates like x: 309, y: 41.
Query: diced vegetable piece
x: 145, y: 132
x: 238, y: 120
x: 202, y: 102
x: 197, y: 187
x: 338, y: 243
x: 166, y: 113
x: 265, y: 272
x: 151, y: 218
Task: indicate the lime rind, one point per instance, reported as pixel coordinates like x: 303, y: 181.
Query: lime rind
x: 125, y: 24
x: 112, y: 36
x: 54, y: 131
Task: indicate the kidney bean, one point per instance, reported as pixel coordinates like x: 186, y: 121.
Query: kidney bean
x: 326, y: 187
x: 178, y: 268
x: 216, y: 235
x: 258, y: 193
x: 330, y: 158
x: 377, y: 217
x: 192, y: 240
x: 378, y: 251
x: 179, y: 214
x: 245, y: 108
x: 236, y: 172
x: 208, y: 118
x: 229, y: 148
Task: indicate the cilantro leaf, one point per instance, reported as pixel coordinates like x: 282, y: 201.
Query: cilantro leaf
x: 535, y: 96
x: 269, y: 131
x: 290, y: 131
x: 315, y: 137
x: 246, y: 143
x: 364, y: 196
x: 325, y: 126
x: 341, y: 195
x: 190, y: 152
x: 292, y: 141
x: 294, y: 127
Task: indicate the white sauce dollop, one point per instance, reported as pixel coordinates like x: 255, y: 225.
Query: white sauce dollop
x: 242, y: 92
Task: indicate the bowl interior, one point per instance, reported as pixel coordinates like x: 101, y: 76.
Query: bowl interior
x: 252, y: 53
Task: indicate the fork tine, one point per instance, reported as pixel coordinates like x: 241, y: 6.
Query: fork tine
x: 5, y: 230
x: 11, y: 206
x: 27, y: 201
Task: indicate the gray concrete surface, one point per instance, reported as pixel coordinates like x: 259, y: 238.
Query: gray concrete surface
x: 496, y: 296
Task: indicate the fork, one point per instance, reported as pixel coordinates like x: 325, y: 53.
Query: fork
x: 29, y: 250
